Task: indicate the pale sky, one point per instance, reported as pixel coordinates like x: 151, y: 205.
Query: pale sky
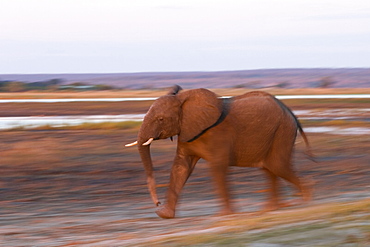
x: 108, y: 36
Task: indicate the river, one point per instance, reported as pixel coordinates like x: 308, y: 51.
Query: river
x: 326, y: 96
x: 60, y: 121
x: 362, y: 114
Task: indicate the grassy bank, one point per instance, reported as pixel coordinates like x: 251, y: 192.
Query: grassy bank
x: 135, y: 125
x: 160, y: 92
x: 128, y: 125
x: 83, y: 187
x: 329, y: 224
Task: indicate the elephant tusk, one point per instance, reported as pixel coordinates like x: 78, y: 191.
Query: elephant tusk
x: 131, y: 144
x: 148, y: 142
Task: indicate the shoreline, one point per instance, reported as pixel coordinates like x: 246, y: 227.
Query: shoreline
x: 160, y: 92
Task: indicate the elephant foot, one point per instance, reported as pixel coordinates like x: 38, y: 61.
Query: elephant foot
x: 307, y: 195
x: 225, y: 211
x: 305, y: 191
x: 287, y: 204
x: 268, y: 208
x: 165, y: 212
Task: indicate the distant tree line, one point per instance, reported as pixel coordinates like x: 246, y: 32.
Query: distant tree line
x: 324, y: 82
x: 59, y: 84
x: 49, y: 85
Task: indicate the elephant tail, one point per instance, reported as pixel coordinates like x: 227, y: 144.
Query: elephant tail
x: 308, y: 151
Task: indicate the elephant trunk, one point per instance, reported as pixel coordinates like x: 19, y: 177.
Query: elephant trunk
x: 144, y: 151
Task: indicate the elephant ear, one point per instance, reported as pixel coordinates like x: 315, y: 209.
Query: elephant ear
x: 201, y: 109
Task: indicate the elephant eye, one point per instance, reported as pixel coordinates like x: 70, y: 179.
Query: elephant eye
x: 160, y: 119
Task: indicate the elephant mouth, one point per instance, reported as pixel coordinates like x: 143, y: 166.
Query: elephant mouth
x: 164, y: 135
x: 150, y: 140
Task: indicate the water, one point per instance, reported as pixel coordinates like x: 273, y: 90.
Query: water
x: 60, y: 121
x: 338, y: 131
x: 73, y: 100
x: 347, y: 114
x: 326, y: 96
x: 340, y: 112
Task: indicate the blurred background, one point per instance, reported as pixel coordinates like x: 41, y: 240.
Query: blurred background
x: 77, y: 77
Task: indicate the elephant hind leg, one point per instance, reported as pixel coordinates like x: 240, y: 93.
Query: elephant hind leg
x: 286, y: 172
x: 278, y: 161
x: 303, y: 189
x: 273, y: 202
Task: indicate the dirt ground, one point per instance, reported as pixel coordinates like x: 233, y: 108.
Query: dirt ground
x: 76, y: 188
x: 84, y: 188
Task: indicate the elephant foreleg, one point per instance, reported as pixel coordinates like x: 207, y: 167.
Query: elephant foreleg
x: 181, y: 170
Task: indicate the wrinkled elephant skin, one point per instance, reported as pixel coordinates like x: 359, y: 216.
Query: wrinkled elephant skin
x: 251, y: 130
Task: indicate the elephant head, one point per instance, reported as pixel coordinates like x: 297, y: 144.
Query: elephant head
x: 186, y: 114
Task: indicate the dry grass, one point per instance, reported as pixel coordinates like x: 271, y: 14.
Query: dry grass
x: 88, y: 186
x: 298, y: 91
x: 335, y: 123
x: 84, y: 95
x: 82, y: 186
x: 286, y: 227
x: 130, y: 125
x: 160, y: 92
x: 289, y: 216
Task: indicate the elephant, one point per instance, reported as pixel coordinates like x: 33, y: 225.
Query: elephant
x: 250, y: 130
